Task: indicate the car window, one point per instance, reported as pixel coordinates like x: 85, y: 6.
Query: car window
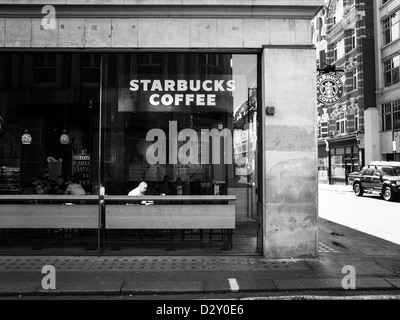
x: 377, y: 173
x: 369, y: 172
x: 388, y: 171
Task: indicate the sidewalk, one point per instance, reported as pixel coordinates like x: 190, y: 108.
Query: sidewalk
x: 376, y: 263
x: 335, y: 187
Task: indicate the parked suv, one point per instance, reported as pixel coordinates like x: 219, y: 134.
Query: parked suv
x: 379, y: 177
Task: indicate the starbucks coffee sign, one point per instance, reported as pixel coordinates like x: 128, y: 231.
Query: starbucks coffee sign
x: 329, y: 89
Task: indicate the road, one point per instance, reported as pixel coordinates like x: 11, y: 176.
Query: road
x: 369, y: 214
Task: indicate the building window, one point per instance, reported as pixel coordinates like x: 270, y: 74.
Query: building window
x: 387, y: 116
x: 356, y: 120
x: 338, y: 12
x: 353, y: 39
x: 391, y: 28
x: 338, y: 49
x: 341, y: 123
x: 90, y: 68
x: 390, y: 115
x: 44, y: 67
x: 396, y: 114
x: 354, y: 79
x: 391, y: 70
x: 152, y: 63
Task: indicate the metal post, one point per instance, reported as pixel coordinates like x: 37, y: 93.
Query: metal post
x: 101, y: 196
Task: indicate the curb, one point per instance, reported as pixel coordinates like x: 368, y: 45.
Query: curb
x: 143, y: 288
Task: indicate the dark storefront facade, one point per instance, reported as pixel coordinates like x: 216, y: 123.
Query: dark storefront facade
x: 342, y: 157
x: 108, y: 102
x: 181, y: 115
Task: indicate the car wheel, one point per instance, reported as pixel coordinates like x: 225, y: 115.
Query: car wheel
x: 387, y: 194
x: 358, y: 190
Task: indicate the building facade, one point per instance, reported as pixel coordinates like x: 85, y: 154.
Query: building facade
x: 343, y: 34
x: 387, y: 51
x: 217, y: 97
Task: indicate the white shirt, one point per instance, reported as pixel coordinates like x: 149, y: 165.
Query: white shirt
x: 135, y: 192
x: 75, y: 189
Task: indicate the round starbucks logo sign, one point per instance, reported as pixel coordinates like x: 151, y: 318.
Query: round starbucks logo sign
x: 329, y: 89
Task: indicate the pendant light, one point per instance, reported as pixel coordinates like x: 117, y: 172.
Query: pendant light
x: 64, y: 138
x: 26, y: 137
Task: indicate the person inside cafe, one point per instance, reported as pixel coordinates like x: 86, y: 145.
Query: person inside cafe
x: 74, y: 188
x: 60, y: 186
x: 35, y: 186
x: 165, y: 186
x: 140, y: 190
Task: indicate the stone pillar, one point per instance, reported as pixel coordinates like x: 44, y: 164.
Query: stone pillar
x: 372, y: 137
x: 290, y: 150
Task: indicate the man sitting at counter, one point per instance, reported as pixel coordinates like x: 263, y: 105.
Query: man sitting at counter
x: 140, y: 190
x: 74, y: 188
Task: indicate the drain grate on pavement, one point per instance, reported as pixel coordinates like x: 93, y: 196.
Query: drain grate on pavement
x: 197, y: 264
x: 36, y: 263
x: 324, y: 248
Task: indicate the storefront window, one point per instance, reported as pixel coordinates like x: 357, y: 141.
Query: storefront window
x: 337, y: 163
x: 184, y: 123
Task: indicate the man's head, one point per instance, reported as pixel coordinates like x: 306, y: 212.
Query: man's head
x: 35, y: 180
x: 60, y: 180
x: 143, y: 187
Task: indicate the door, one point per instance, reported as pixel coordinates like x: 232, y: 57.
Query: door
x: 366, y: 179
x: 376, y: 183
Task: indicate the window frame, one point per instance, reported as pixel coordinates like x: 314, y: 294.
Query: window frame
x: 391, y: 69
x: 391, y: 28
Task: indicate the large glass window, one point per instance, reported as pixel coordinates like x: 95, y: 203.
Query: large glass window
x: 184, y: 123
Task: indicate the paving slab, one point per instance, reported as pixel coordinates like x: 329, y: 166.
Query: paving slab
x: 373, y: 283
x: 256, y: 285
x: 394, y: 282
x: 366, y: 248
x: 218, y: 286
x: 161, y: 287
x: 308, y: 284
x: 18, y: 288
x: 364, y: 267
x: 84, y: 288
